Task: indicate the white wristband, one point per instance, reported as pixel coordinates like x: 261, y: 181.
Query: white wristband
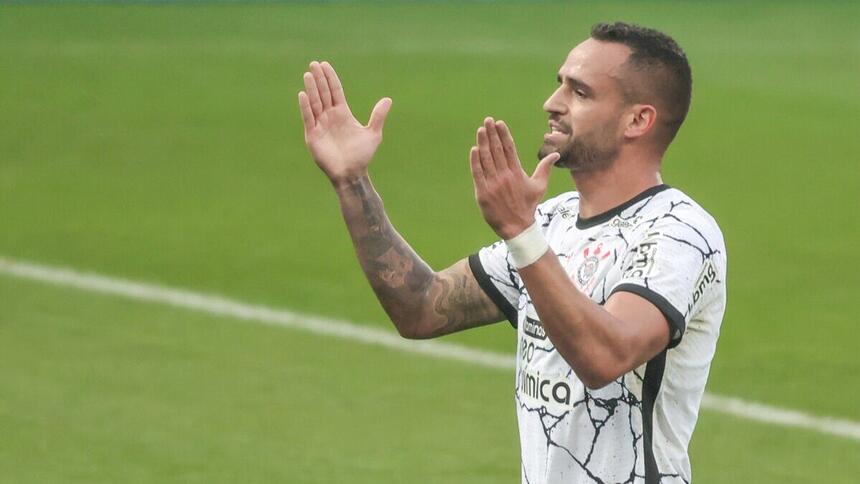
x: 527, y: 247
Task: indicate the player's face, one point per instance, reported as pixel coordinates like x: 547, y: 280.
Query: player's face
x: 585, y: 110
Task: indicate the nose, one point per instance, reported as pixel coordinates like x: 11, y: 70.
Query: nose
x: 555, y: 103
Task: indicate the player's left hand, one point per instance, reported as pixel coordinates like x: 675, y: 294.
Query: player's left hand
x: 505, y: 193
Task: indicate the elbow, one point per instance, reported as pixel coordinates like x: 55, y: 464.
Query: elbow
x: 407, y: 332
x: 596, y: 377
x: 412, y: 323
x: 411, y: 329
x: 602, y: 366
x: 595, y: 382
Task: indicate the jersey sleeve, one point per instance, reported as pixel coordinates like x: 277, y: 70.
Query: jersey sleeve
x: 495, y: 272
x: 673, y: 265
x: 496, y: 275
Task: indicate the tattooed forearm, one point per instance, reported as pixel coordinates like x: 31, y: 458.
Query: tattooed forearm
x: 397, y: 274
x: 420, y: 302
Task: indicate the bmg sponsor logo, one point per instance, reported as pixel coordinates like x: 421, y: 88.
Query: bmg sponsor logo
x: 706, y: 278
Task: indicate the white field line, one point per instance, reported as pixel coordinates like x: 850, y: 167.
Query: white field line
x: 221, y: 306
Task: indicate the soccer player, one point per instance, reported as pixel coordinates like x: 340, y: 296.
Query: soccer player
x: 617, y: 290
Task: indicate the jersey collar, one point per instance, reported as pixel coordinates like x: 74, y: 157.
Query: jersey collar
x: 586, y: 223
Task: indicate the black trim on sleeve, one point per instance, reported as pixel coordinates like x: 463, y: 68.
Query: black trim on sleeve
x: 587, y: 222
x: 491, y: 290
x: 677, y: 325
x: 650, y: 388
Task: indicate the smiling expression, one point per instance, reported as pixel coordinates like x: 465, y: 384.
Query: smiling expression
x: 585, y: 110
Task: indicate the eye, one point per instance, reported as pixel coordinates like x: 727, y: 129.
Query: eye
x: 579, y: 93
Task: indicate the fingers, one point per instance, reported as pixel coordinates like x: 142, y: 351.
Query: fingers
x: 324, y: 90
x: 335, y: 87
x: 543, y: 170
x: 323, y: 87
x: 499, y: 158
x: 496, y: 148
x: 308, y: 118
x: 322, y: 84
x: 508, y: 145
x: 313, y: 94
x: 379, y: 113
x: 488, y: 166
x: 477, y: 171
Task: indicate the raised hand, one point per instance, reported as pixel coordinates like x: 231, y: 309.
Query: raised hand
x: 506, y: 195
x: 340, y: 145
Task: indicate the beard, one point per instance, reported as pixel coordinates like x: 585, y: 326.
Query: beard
x: 582, y: 153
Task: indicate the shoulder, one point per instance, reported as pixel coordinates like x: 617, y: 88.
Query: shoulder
x: 559, y: 204
x: 681, y: 233
x: 673, y: 211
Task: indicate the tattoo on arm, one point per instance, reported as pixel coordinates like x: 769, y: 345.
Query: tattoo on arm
x: 460, y: 303
x: 408, y: 289
x: 396, y: 266
x: 395, y: 272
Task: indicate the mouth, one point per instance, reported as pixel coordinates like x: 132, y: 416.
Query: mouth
x: 557, y: 131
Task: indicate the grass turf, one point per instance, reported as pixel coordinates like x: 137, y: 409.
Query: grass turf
x: 163, y: 142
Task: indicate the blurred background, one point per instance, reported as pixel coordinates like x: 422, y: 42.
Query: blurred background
x: 161, y: 142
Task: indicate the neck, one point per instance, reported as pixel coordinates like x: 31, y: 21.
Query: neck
x: 600, y: 191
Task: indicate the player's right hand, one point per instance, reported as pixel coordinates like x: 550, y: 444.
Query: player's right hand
x: 340, y: 145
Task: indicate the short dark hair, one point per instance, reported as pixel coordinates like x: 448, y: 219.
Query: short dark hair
x: 664, y: 64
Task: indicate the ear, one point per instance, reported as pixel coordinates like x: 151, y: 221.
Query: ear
x: 640, y: 120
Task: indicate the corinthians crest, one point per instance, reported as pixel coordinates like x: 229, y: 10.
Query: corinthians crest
x: 592, y: 258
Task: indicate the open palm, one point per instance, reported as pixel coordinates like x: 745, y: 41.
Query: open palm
x: 340, y: 145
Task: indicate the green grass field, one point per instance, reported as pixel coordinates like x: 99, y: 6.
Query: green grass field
x: 163, y: 143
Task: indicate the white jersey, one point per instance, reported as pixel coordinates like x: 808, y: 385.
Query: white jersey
x: 662, y: 246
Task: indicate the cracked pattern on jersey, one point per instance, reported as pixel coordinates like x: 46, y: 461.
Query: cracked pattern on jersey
x: 600, y: 411
x: 568, y: 432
